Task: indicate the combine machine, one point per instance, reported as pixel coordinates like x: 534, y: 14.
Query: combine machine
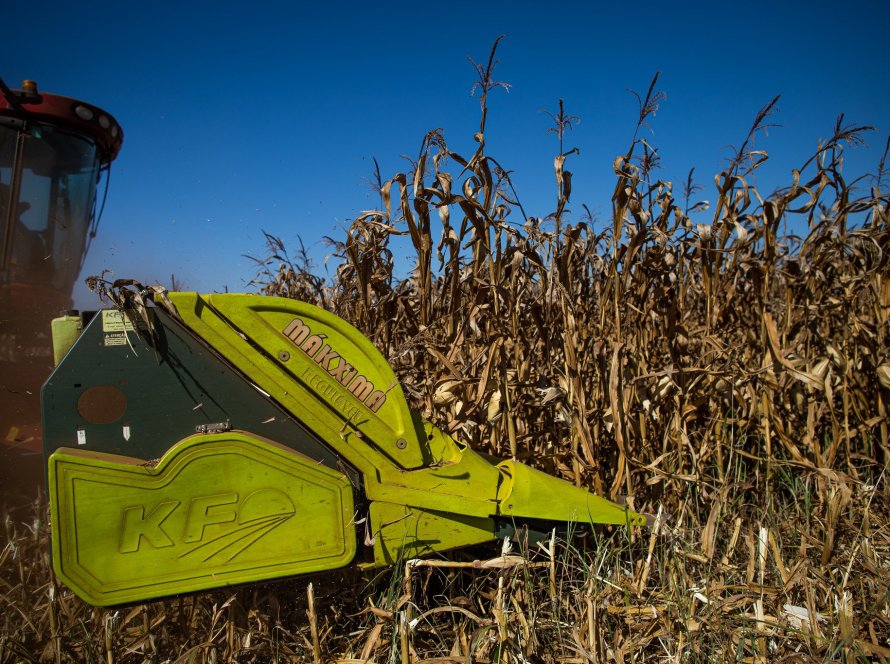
x: 207, y: 440
x: 52, y: 152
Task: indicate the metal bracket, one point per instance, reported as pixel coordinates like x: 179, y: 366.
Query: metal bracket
x: 214, y: 427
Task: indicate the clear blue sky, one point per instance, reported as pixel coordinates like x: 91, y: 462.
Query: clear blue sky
x: 247, y: 116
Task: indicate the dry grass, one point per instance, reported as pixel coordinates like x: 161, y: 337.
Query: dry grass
x: 687, y: 357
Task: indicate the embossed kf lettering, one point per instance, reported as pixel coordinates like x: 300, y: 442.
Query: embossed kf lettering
x: 140, y: 525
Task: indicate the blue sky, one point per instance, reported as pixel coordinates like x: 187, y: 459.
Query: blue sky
x: 242, y: 117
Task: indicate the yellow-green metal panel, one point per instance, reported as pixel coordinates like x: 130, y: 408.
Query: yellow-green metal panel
x: 402, y: 532
x: 335, y: 362
x: 216, y: 510
x: 532, y: 494
x: 275, y: 379
x: 65, y: 331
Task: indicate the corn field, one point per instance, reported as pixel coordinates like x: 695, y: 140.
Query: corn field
x: 687, y: 357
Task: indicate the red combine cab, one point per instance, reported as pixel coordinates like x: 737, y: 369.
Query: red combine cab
x: 53, y: 151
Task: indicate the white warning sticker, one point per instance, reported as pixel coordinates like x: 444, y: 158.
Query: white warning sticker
x: 115, y: 338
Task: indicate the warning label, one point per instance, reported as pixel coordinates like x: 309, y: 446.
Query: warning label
x: 115, y: 338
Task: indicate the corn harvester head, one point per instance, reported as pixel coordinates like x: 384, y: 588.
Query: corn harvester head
x: 227, y: 439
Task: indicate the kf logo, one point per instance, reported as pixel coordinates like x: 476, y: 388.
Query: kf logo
x: 239, y: 523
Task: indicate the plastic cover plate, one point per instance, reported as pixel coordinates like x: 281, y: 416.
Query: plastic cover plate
x: 216, y: 510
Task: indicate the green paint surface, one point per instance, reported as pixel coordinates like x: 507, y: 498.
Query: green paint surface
x: 216, y: 510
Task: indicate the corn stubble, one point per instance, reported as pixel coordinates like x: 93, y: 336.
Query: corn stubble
x: 690, y: 358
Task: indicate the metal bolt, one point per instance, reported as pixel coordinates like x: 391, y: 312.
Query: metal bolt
x: 283, y: 355
x: 401, y: 443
